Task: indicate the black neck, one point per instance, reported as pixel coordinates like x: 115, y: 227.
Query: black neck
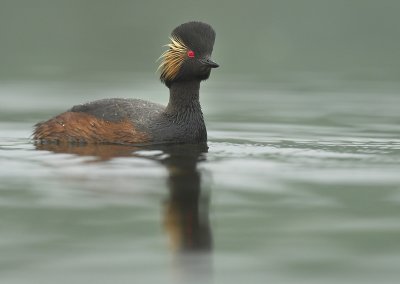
x: 183, y: 115
x: 183, y: 98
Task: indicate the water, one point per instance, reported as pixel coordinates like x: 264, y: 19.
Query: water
x: 299, y: 184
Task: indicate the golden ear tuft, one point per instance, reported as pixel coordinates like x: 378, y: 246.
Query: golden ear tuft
x: 172, y: 59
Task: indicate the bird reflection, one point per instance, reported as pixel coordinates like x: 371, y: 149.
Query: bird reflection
x: 185, y: 211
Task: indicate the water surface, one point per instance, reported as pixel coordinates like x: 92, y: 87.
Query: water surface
x: 298, y: 184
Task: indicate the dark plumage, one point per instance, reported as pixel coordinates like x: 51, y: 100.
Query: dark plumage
x: 183, y: 66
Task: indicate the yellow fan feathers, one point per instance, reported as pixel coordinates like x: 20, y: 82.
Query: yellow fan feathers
x: 172, y: 59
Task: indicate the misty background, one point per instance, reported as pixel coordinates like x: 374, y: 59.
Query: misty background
x: 256, y: 40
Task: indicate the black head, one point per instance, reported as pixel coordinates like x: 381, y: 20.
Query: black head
x: 189, y: 54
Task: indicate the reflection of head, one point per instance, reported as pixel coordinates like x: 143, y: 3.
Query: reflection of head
x: 186, y: 213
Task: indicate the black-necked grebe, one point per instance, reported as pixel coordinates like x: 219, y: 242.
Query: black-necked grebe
x: 184, y: 65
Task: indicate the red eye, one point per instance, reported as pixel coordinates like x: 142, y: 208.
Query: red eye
x: 190, y: 53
